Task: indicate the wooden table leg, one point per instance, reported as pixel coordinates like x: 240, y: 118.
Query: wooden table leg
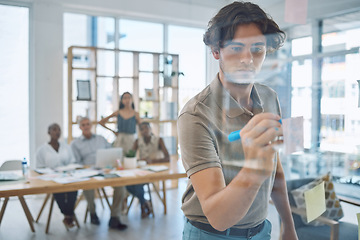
x: 106, y: 197
x: 164, y: 196
x: 27, y: 213
x: 3, y: 208
x: 101, y: 201
x: 42, y: 207
x: 79, y: 199
x: 50, y: 212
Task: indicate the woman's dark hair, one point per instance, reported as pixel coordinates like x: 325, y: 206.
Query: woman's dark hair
x: 52, y: 126
x: 223, y: 25
x: 121, y: 105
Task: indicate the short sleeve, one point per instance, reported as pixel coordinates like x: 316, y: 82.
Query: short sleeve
x: 197, y: 146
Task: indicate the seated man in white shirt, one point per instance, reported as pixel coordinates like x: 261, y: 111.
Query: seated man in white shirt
x: 84, y: 149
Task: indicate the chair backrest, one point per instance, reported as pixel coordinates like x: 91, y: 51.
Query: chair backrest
x: 291, y: 185
x: 11, y: 165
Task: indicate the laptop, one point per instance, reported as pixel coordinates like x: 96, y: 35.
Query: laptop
x: 107, y: 158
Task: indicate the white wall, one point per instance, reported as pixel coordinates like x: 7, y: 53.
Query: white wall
x: 47, y: 44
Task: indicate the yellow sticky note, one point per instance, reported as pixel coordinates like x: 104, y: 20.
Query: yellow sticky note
x: 315, y: 202
x: 358, y: 217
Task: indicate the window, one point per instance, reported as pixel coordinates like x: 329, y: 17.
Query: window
x: 339, y: 102
x: 141, y: 36
x: 85, y: 30
x: 14, y: 82
x: 187, y: 42
x: 341, y: 32
x: 301, y: 101
x: 301, y: 46
x: 325, y: 89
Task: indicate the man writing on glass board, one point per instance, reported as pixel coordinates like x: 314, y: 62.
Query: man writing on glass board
x: 231, y: 182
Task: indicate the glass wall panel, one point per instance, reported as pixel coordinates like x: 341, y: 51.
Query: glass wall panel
x: 301, y: 101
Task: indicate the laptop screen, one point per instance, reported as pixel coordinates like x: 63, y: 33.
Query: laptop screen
x: 106, y: 158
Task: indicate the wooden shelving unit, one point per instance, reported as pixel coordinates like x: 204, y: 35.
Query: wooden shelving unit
x: 163, y: 108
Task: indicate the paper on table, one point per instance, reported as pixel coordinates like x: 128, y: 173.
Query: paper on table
x: 49, y: 177
x: 296, y: 11
x: 65, y: 180
x: 157, y: 168
x: 44, y: 170
x: 131, y: 173
x: 125, y: 173
x: 293, y: 130
x: 69, y: 167
x: 85, y: 173
x: 315, y: 202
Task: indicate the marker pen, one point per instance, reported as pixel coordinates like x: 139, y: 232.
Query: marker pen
x: 233, y: 136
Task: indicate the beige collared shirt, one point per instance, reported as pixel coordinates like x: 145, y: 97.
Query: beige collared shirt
x: 203, y: 126
x: 151, y: 149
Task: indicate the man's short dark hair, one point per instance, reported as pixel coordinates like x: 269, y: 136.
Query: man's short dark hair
x: 144, y: 124
x: 223, y: 25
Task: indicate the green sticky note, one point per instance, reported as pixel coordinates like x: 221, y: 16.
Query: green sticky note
x: 358, y: 217
x: 315, y: 202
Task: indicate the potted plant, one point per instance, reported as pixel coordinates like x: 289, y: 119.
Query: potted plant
x: 130, y: 159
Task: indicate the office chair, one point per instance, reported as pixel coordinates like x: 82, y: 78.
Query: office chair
x: 15, y: 165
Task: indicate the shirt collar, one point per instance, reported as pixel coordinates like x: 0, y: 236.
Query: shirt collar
x: 229, y: 105
x: 152, y: 139
x: 83, y: 138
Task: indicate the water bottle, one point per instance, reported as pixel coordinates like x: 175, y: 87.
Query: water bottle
x: 25, y: 169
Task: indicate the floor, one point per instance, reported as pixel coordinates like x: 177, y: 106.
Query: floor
x: 168, y: 227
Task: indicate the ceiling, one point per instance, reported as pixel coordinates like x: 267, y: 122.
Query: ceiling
x: 276, y: 8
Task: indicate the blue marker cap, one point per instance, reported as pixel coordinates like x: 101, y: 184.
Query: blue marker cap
x: 234, y: 136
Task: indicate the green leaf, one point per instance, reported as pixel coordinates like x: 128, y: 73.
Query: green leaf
x: 130, y: 153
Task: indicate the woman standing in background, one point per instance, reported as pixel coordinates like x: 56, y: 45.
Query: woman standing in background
x: 127, y: 118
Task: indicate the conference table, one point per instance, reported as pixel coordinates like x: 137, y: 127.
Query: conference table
x: 37, y: 186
